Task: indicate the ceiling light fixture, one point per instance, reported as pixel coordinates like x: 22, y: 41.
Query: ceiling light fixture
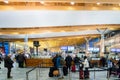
x: 6, y: 1
x: 42, y: 2
x: 98, y: 3
x: 72, y: 3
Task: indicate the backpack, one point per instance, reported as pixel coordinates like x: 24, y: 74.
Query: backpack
x: 62, y: 61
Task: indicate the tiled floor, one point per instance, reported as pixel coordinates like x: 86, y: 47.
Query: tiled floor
x: 20, y: 74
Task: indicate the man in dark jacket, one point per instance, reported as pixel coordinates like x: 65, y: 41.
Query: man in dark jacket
x: 77, y: 61
x: 68, y: 60
x: 21, y: 60
x: 8, y: 63
x: 54, y: 60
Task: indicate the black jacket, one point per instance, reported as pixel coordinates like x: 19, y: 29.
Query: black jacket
x: 68, y: 60
x: 8, y: 63
x: 76, y: 60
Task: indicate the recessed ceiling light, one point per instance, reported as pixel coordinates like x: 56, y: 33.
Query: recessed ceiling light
x: 6, y: 1
x: 98, y: 3
x: 72, y: 3
x: 42, y: 2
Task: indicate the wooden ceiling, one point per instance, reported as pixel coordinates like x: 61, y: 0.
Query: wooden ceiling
x: 35, y: 30
x: 59, y: 5
x: 53, y: 42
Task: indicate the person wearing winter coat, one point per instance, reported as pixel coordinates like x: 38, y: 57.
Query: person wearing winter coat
x: 8, y: 63
x: 68, y: 60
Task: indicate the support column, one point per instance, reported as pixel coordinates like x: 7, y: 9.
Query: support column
x: 87, y: 45
x: 25, y: 43
x: 102, y: 45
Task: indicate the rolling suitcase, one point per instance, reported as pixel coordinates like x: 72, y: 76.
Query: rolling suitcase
x: 65, y: 71
x: 51, y: 71
x: 81, y: 74
x: 73, y: 68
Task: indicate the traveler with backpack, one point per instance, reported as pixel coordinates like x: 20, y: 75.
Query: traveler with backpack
x: 60, y: 62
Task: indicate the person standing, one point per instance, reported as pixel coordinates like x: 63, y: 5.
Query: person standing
x: 8, y: 63
x: 103, y: 61
x: 86, y: 66
x: 0, y: 59
x: 68, y: 60
x: 109, y: 65
x: 21, y: 59
x: 86, y: 62
x: 54, y: 60
x: 77, y: 62
x: 59, y: 64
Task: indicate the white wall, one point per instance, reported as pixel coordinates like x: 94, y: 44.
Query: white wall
x: 57, y: 18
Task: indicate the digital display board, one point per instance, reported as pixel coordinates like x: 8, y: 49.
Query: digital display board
x: 64, y: 48
x: 93, y: 49
x: 71, y: 48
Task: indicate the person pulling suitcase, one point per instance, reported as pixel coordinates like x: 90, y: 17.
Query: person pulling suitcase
x: 86, y: 66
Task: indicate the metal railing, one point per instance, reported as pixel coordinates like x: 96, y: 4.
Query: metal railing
x: 37, y: 72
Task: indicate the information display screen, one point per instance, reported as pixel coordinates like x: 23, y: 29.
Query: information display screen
x: 68, y: 48
x: 115, y: 50
x: 93, y: 49
x: 71, y: 48
x: 118, y: 50
x: 64, y: 48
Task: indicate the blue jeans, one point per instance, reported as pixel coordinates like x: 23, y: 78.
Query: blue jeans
x: 61, y: 71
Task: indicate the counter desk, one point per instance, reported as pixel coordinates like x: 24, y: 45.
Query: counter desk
x: 39, y: 61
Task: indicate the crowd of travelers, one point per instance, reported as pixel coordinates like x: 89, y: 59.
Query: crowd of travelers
x: 82, y: 65
x: 11, y: 60
x: 65, y: 66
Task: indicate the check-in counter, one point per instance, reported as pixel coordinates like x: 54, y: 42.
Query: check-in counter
x: 39, y: 61
x: 95, y: 61
x: 47, y: 62
x: 98, y: 63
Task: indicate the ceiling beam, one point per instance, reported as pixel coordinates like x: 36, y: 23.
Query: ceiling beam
x: 80, y: 1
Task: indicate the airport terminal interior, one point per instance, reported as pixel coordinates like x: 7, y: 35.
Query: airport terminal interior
x: 43, y: 29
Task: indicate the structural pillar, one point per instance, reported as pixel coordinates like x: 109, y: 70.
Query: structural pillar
x: 87, y: 46
x: 25, y: 43
x: 102, y: 44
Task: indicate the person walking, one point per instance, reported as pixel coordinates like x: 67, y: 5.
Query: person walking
x: 8, y: 63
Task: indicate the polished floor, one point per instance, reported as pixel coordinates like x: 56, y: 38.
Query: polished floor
x: 42, y: 74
